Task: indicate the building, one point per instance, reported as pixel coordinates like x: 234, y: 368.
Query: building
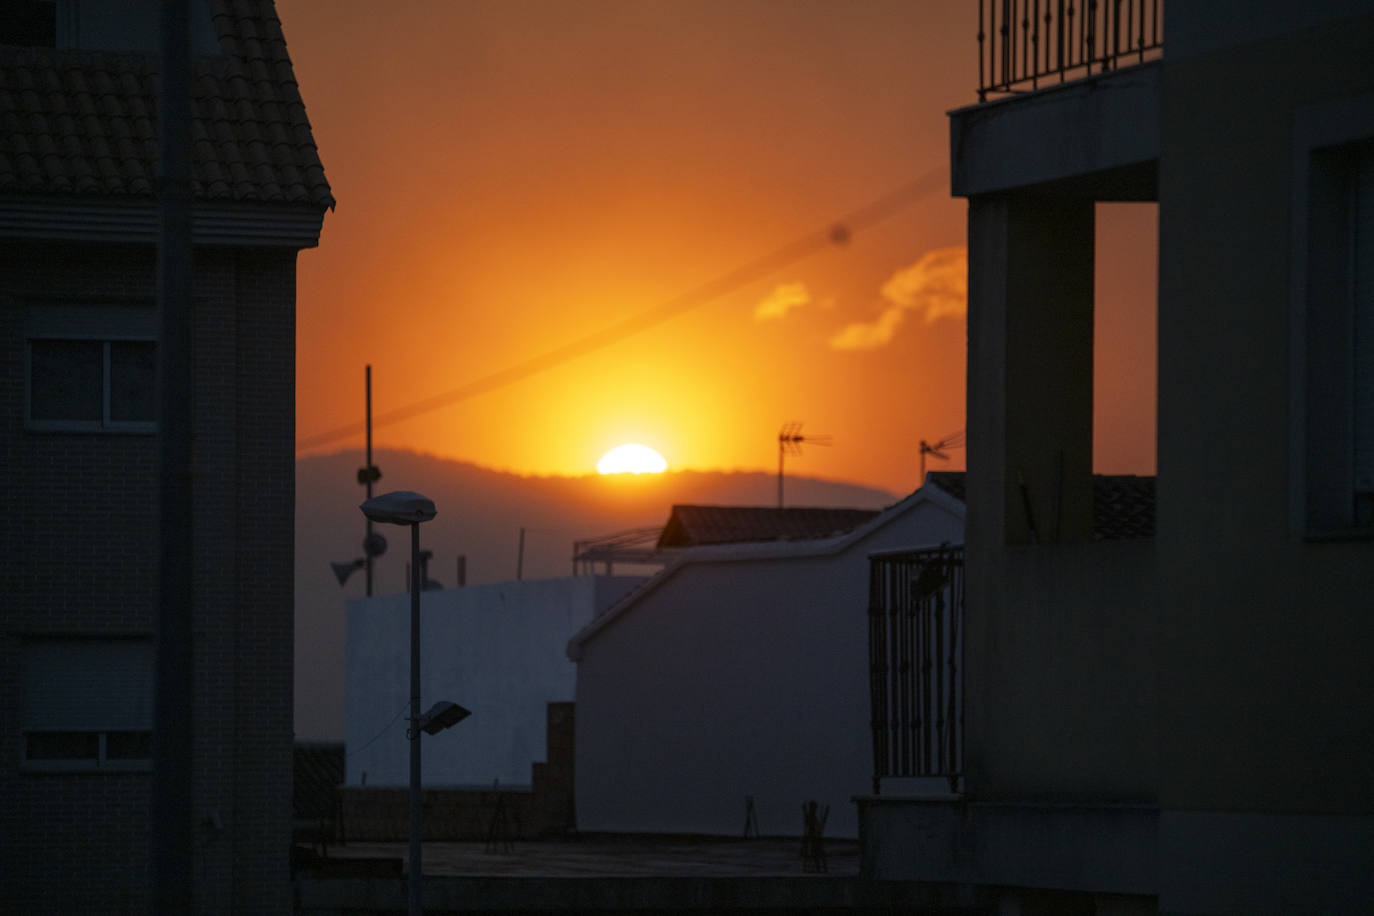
x: 738, y: 674
x: 78, y: 423
x: 1184, y: 722
x: 496, y: 650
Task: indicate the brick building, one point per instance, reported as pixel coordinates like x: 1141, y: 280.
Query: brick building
x: 78, y: 444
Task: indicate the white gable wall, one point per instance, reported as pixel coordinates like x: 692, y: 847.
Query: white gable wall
x: 731, y: 678
x: 497, y: 650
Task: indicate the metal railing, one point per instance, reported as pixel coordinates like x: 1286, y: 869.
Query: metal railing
x: 915, y: 657
x: 1028, y: 44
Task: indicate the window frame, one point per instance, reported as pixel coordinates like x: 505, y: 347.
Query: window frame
x: 102, y: 761
x: 40, y: 650
x: 135, y: 323
x: 1329, y: 140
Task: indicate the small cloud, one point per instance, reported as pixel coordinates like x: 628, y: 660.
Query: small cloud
x: 935, y: 287
x: 869, y: 335
x: 783, y: 298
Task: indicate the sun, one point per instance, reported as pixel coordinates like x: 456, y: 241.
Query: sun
x: 631, y: 458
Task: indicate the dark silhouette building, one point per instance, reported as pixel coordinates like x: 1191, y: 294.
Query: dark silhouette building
x: 78, y: 423
x: 1181, y: 720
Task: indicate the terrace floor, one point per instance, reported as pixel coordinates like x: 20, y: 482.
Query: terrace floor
x: 595, y: 856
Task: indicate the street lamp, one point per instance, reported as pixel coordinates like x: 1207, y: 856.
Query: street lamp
x: 406, y: 508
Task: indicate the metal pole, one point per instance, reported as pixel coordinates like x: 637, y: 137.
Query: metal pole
x: 172, y: 821
x: 780, y: 447
x: 367, y: 541
x: 520, y: 558
x: 415, y: 732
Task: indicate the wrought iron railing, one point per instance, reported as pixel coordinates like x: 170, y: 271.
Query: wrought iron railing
x: 1028, y: 44
x: 915, y: 657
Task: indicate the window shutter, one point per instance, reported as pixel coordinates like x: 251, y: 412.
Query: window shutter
x: 1362, y: 258
x: 88, y: 685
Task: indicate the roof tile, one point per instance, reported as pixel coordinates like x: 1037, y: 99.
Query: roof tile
x: 1123, y: 504
x: 240, y: 101
x: 696, y: 526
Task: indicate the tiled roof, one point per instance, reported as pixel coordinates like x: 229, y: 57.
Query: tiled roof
x: 952, y: 482
x: 84, y: 123
x: 1123, y: 504
x: 696, y: 526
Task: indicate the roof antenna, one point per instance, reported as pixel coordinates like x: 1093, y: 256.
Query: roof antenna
x: 953, y: 440
x: 790, y: 441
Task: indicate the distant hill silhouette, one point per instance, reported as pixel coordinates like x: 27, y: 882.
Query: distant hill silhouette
x: 481, y: 512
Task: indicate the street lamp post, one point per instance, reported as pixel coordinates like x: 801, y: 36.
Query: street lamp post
x: 406, y: 508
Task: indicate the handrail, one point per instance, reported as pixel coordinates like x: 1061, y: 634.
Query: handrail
x: 915, y: 664
x: 1023, y: 44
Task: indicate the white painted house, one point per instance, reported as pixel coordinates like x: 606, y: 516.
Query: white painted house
x: 497, y: 650
x: 739, y: 670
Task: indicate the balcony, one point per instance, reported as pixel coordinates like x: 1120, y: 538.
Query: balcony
x: 1025, y: 45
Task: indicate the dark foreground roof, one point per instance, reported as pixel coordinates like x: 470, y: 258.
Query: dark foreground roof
x: 84, y: 123
x: 319, y: 771
x: 1123, y: 504
x: 697, y: 526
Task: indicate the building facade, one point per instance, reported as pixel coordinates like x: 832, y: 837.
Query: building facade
x: 496, y: 650
x: 78, y: 434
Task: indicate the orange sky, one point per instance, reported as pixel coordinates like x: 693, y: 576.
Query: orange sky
x: 513, y: 176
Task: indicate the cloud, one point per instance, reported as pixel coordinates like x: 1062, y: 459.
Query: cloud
x: 783, y: 298
x: 935, y: 287
x: 868, y: 335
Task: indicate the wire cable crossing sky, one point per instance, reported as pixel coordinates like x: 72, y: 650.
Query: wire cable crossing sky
x: 840, y: 231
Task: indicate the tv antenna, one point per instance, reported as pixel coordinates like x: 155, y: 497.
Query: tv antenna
x: 790, y: 442
x: 953, y: 440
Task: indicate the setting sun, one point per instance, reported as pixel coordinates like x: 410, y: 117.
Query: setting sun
x: 631, y: 459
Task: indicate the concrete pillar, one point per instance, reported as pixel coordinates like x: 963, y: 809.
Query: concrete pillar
x: 1030, y: 370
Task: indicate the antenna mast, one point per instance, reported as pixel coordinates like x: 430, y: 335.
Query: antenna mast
x: 953, y: 440
x: 790, y: 442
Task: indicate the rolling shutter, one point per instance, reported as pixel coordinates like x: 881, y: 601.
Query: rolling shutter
x: 88, y: 685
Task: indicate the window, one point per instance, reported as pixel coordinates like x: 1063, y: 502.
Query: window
x: 92, y: 369
x: 87, y: 704
x: 1333, y: 328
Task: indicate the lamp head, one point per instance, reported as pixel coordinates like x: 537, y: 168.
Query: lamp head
x: 401, y: 507
x: 442, y: 715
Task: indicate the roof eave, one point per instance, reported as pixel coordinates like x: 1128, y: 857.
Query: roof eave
x: 136, y: 220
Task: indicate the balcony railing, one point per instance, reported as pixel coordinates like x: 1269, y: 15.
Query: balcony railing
x: 1025, y: 45
x: 915, y: 658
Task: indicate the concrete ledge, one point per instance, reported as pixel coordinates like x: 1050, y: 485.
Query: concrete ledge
x: 1101, y: 132
x: 337, y: 897
x: 383, y: 813
x: 1108, y: 849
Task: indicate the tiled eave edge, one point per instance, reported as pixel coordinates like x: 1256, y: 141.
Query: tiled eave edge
x: 136, y: 221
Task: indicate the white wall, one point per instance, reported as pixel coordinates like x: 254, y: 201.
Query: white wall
x: 739, y: 678
x: 496, y: 649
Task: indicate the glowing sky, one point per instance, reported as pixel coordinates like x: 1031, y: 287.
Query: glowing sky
x: 514, y: 176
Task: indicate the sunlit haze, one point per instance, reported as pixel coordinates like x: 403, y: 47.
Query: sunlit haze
x: 514, y: 179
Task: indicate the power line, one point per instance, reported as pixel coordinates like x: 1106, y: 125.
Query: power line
x: 385, y: 728
x: 838, y: 232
